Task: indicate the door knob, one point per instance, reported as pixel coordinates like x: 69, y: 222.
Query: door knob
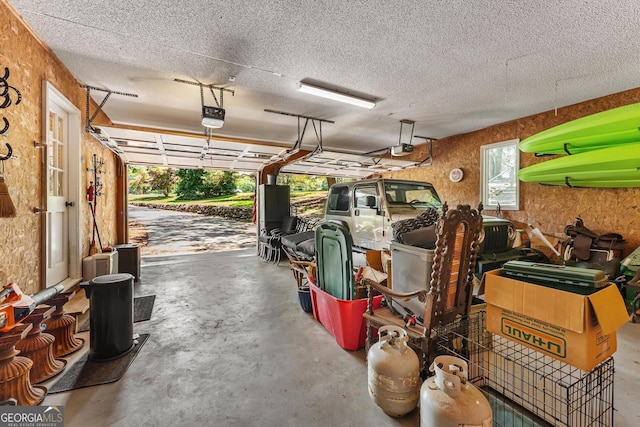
x: 68, y: 204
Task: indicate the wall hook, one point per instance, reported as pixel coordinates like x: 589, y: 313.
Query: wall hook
x: 9, y: 155
x: 7, y: 99
x: 6, y: 126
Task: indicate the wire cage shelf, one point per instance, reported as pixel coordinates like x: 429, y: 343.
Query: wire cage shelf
x: 524, y: 387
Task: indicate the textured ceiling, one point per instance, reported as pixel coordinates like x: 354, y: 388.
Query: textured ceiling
x: 450, y: 66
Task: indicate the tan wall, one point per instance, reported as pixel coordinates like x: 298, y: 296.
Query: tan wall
x: 30, y: 62
x: 549, y: 208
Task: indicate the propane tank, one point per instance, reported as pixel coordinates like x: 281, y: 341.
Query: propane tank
x: 448, y: 400
x: 394, y: 372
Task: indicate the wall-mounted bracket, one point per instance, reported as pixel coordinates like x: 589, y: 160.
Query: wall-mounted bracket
x: 429, y: 157
x: 89, y: 120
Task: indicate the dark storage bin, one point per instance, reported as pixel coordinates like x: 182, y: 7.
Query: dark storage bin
x: 129, y: 259
x: 304, y: 296
x: 111, y: 309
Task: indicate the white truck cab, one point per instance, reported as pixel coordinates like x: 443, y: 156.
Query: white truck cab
x: 369, y: 207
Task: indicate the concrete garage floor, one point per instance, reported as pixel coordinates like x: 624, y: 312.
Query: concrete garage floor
x: 229, y: 345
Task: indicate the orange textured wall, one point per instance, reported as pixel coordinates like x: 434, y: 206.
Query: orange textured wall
x: 549, y: 208
x: 30, y: 62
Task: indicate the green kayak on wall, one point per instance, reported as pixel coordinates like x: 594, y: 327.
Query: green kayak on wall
x: 613, y: 167
x: 609, y: 128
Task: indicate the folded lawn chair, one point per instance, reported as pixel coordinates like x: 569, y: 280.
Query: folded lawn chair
x: 300, y: 249
x: 270, y: 240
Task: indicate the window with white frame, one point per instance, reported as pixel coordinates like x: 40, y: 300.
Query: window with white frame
x: 499, y: 185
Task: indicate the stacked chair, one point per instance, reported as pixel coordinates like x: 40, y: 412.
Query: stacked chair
x: 270, y: 241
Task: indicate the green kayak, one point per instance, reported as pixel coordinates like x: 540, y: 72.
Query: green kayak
x: 609, y: 128
x: 612, y: 167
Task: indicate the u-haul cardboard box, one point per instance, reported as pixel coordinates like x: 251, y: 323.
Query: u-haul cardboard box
x: 577, y: 329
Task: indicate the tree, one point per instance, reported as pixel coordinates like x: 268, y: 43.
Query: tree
x: 299, y: 182
x: 246, y: 182
x: 190, y: 185
x: 138, y: 180
x: 219, y: 183
x: 199, y: 184
x: 162, y: 179
x: 227, y: 183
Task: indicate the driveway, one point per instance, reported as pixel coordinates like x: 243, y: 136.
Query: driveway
x: 172, y: 232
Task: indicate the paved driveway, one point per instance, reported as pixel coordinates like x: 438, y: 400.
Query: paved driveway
x: 172, y: 232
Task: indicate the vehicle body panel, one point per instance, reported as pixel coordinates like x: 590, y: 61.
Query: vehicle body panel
x: 369, y: 207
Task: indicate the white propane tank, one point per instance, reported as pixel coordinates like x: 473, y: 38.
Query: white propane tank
x: 394, y: 372
x: 448, y: 400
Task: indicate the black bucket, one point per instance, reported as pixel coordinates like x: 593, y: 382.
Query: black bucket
x: 111, y: 310
x: 304, y: 295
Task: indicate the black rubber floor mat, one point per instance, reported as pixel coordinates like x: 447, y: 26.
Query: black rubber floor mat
x: 87, y: 373
x: 142, y: 308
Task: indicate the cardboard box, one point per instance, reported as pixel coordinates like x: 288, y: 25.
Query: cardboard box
x: 378, y: 264
x: 576, y: 329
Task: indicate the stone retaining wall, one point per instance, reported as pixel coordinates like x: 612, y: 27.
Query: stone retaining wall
x: 312, y: 208
x: 240, y: 214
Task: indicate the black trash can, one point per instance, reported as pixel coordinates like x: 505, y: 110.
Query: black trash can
x: 111, y: 315
x: 129, y: 259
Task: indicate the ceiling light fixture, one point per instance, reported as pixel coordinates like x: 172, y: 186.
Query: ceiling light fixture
x: 336, y: 96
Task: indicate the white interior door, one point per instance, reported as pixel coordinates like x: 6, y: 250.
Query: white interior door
x: 57, y: 188
x: 62, y: 164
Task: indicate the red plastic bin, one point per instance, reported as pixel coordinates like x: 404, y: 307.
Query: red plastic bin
x: 342, y: 318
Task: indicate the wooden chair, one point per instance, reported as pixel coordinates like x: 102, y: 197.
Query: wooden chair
x: 450, y: 289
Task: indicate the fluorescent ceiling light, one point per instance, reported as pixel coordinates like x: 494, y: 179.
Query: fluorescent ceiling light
x: 336, y: 96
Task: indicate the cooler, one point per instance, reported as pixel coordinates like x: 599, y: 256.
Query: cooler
x: 410, y: 271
